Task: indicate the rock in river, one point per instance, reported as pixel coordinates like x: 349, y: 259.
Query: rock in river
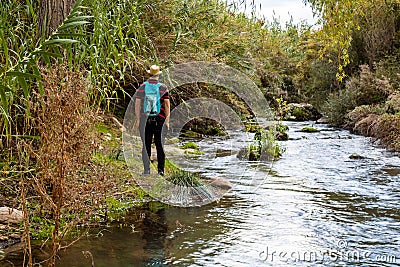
x: 302, y: 112
x: 221, y: 183
x: 10, y: 215
x: 356, y: 156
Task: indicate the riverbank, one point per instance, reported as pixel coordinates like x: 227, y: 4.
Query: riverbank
x: 372, y: 121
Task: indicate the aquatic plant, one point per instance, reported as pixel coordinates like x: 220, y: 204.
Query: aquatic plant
x: 184, y: 178
x: 265, y: 146
x: 190, y: 145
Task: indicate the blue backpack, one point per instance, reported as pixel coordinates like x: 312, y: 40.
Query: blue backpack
x: 152, y: 105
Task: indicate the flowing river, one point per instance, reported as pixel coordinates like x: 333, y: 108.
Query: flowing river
x: 314, y: 207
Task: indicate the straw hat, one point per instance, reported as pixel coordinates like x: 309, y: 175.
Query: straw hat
x: 154, y: 70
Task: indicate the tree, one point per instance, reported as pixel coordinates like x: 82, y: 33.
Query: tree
x: 51, y: 14
x: 339, y: 19
x: 379, y: 29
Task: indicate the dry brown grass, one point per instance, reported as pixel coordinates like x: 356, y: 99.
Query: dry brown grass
x: 365, y: 125
x: 384, y: 127
x: 67, y: 186
x: 388, y: 131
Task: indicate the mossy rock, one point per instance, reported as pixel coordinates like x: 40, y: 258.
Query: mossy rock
x: 203, y: 126
x: 215, y: 131
x: 281, y: 136
x: 356, y: 156
x: 280, y: 132
x: 190, y: 145
x: 252, y: 128
x: 190, y: 134
x: 309, y: 130
x: 301, y: 112
x: 191, y: 151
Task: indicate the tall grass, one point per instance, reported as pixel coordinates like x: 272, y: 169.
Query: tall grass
x: 20, y: 75
x: 15, y: 44
x: 113, y: 48
x: 117, y: 49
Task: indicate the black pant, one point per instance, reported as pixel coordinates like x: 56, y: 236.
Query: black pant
x: 149, y: 127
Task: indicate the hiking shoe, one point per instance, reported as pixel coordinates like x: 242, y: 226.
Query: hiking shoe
x: 161, y: 173
x: 146, y: 172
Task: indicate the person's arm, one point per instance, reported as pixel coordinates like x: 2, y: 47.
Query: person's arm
x: 137, y: 111
x: 167, y: 111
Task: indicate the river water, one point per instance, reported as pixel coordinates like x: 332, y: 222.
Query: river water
x: 313, y: 207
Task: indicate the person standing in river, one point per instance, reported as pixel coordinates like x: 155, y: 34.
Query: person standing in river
x: 152, y: 110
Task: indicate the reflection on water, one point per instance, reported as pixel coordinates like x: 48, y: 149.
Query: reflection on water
x: 313, y: 207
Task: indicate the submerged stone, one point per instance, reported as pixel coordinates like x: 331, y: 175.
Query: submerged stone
x: 356, y: 156
x: 221, y: 183
x: 10, y: 215
x: 302, y: 112
x: 309, y: 130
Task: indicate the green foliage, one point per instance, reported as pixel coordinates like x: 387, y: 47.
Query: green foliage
x: 41, y: 227
x: 372, y: 23
x: 118, y: 48
x: 190, y: 145
x: 339, y: 104
x: 265, y: 147
x: 318, y: 82
x: 115, y: 206
x: 102, y: 128
x: 366, y: 89
x: 280, y: 132
x: 298, y: 113
x: 170, y: 166
x: 20, y: 66
x: 252, y: 127
x: 374, y: 89
x: 339, y: 21
x: 388, y: 67
x: 177, y: 176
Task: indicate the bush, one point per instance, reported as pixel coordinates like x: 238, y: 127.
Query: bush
x: 373, y: 88
x: 389, y: 67
x: 366, y: 89
x: 358, y: 114
x: 393, y: 103
x: 318, y: 82
x: 338, y: 104
x: 388, y: 130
